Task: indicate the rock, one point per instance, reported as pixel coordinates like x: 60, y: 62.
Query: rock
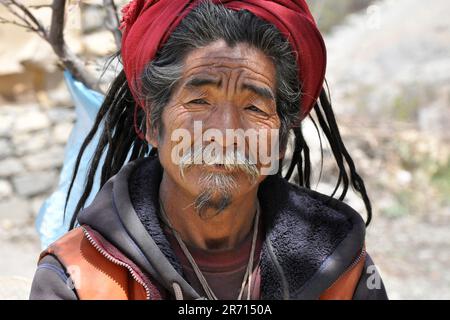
x: 31, y: 121
x: 100, y: 43
x: 58, y: 115
x: 435, y: 119
x: 403, y: 177
x: 51, y: 158
x: 59, y: 97
x: 92, y: 18
x: 5, y: 148
x: 6, y: 124
x: 36, y: 204
x: 6, y: 225
x: 61, y: 132
x: 10, y: 167
x: 14, y: 211
x: 35, y: 183
x: 31, y: 142
x: 5, y: 189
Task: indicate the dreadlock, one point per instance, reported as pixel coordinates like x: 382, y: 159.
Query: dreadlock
x: 301, y: 155
x: 118, y: 142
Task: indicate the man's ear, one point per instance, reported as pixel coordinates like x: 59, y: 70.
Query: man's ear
x: 151, y: 135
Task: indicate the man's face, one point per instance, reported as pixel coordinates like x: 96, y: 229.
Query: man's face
x: 222, y: 91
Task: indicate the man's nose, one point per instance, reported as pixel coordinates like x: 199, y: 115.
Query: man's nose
x: 226, y: 118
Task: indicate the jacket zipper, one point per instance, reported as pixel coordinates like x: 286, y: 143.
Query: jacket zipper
x: 117, y: 262
x: 351, y: 266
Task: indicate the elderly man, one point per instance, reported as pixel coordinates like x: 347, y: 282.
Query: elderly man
x: 218, y: 89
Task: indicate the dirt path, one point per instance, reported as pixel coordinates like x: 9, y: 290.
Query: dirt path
x: 413, y: 256
x: 19, y: 256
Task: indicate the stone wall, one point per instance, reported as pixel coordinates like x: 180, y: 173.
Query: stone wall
x: 32, y: 140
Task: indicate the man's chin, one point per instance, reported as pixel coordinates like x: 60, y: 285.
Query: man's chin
x: 210, y: 203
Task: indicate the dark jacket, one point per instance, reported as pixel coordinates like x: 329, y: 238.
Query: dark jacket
x: 311, y: 239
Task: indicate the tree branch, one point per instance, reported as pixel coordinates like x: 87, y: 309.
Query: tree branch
x: 40, y: 6
x: 26, y: 18
x: 55, y: 36
x: 13, y: 22
x: 68, y: 58
x: 112, y: 21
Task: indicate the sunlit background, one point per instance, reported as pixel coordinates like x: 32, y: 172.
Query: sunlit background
x: 389, y: 78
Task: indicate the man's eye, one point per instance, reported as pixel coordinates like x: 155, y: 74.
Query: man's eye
x: 256, y: 109
x: 199, y: 101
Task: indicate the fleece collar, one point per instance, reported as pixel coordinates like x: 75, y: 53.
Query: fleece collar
x: 311, y: 239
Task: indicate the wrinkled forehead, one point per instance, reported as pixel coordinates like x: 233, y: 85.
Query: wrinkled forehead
x: 219, y: 59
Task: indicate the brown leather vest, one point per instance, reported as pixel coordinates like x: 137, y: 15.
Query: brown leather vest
x: 97, y: 274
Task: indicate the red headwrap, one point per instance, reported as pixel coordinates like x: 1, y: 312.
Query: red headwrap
x: 147, y: 24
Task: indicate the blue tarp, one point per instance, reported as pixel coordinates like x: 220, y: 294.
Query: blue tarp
x: 51, y: 223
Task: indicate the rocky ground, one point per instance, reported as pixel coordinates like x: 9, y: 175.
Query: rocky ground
x: 389, y: 74
x: 19, y: 251
x: 412, y: 256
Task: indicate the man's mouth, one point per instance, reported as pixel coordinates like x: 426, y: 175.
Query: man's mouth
x: 219, y: 167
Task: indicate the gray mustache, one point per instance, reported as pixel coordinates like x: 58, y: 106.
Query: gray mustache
x: 231, y: 160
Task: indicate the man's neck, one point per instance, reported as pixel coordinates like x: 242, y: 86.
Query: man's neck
x: 219, y: 232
